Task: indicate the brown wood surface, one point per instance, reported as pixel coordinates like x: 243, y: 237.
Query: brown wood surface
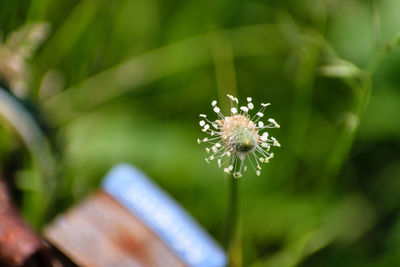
x: 101, y: 232
x: 19, y: 245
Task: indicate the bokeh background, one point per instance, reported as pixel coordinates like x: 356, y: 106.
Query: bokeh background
x: 124, y: 81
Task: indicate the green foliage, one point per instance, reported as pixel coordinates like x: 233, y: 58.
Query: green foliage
x: 124, y: 81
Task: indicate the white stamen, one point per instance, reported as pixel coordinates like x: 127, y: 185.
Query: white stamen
x: 234, y: 110
x: 249, y: 99
x: 245, y: 109
x: 203, y: 116
x: 198, y: 140
x: 265, y: 145
x: 214, y: 103
x: 274, y: 122
x: 216, y: 110
x: 276, y: 143
x: 250, y: 105
x: 264, y: 137
x: 211, y: 157
x: 217, y: 145
x: 219, y: 163
x: 214, y: 149
x: 202, y: 123
x: 259, y: 114
x: 260, y: 124
x: 261, y: 159
x: 205, y: 139
x: 258, y: 173
x: 265, y: 104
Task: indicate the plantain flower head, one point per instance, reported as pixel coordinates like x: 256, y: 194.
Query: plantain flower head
x: 238, y: 139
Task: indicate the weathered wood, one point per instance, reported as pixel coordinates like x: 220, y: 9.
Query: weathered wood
x: 101, y: 232
x: 19, y: 245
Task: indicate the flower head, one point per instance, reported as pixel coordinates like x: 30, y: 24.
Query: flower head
x: 238, y: 137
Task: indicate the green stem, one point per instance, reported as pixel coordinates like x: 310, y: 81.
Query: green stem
x: 233, y: 234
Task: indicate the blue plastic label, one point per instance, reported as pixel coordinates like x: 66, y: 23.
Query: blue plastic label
x: 163, y: 216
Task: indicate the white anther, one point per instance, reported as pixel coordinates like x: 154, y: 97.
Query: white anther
x: 249, y: 99
x: 276, y: 143
x: 261, y: 159
x: 227, y: 170
x: 259, y: 114
x: 198, y: 140
x: 214, y: 103
x: 274, y: 122
x: 202, y: 123
x: 234, y: 110
x: 203, y: 116
x: 245, y: 109
x: 258, y: 173
x: 250, y: 106
x: 208, y: 150
x: 230, y: 167
x: 260, y: 124
x: 218, y: 145
x: 264, y: 137
x: 265, y: 145
x: 206, y: 127
x: 214, y: 149
x: 216, y: 110
x: 211, y: 157
x: 205, y: 139
x: 219, y: 163
x: 265, y: 104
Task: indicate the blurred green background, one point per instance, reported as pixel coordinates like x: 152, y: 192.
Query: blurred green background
x: 124, y: 81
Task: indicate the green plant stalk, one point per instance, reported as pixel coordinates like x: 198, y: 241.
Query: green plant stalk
x: 233, y: 228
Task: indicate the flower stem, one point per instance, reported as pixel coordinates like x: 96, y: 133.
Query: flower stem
x: 233, y: 234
